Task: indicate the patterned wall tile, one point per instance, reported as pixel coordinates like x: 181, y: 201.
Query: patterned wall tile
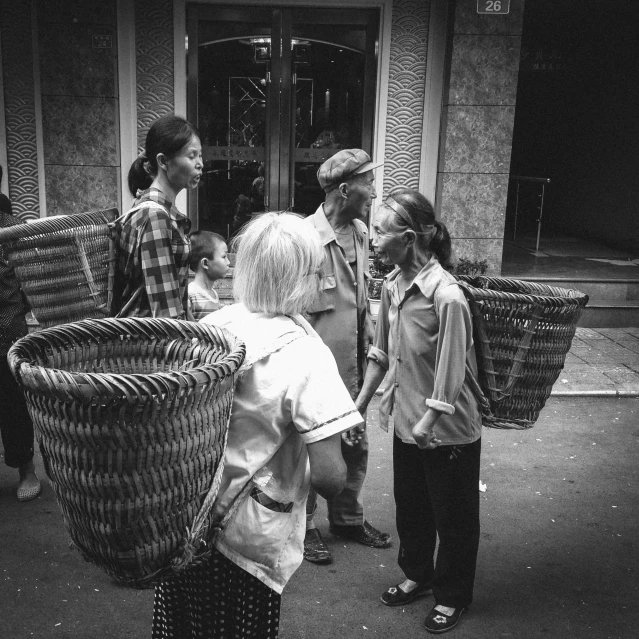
x: 79, y: 130
x: 19, y: 103
x: 480, y: 249
x: 70, y: 63
x: 478, y: 139
x: 76, y: 189
x: 468, y: 21
x: 474, y: 204
x: 484, y: 70
x: 76, y: 11
x: 409, y: 41
x: 154, y: 62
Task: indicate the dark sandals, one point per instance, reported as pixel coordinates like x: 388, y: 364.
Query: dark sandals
x: 395, y: 596
x: 437, y: 622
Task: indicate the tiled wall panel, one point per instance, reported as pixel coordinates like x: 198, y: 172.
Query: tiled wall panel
x: 73, y: 189
x: 20, y: 112
x: 405, y: 112
x: 154, y: 62
x: 78, y: 69
x: 475, y: 203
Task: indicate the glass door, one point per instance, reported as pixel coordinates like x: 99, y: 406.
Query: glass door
x: 274, y: 93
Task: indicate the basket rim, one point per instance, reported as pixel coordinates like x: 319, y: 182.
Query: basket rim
x: 89, y: 385
x: 46, y: 226
x: 541, y: 294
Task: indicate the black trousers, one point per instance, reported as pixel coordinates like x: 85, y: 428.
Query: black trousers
x: 15, y: 423
x: 437, y: 495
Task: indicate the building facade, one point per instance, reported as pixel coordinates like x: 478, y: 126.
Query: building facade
x: 427, y: 86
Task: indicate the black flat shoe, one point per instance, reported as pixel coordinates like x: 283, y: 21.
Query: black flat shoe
x: 395, y: 596
x: 437, y: 622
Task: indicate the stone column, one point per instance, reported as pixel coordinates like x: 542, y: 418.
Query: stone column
x: 477, y: 129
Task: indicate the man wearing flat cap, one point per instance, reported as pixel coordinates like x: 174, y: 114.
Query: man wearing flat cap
x: 342, y: 320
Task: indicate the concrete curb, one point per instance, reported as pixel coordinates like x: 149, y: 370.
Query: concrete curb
x: 579, y: 393
x: 610, y: 392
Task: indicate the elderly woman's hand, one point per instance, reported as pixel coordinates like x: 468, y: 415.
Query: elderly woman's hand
x: 424, y: 431
x: 354, y: 435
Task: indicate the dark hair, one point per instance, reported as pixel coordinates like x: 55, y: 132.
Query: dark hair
x: 203, y: 244
x: 422, y: 216
x: 167, y: 135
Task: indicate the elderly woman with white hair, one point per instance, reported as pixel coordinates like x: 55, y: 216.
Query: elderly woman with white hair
x: 289, y: 411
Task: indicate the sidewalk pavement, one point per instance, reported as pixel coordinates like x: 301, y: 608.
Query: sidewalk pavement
x: 602, y: 362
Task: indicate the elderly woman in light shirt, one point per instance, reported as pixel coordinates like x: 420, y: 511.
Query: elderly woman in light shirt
x: 289, y: 410
x: 424, y: 342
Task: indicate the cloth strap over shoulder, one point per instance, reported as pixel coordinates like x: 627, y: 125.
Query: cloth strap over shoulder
x: 120, y: 220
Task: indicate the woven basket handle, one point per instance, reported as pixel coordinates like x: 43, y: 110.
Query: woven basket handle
x: 497, y: 395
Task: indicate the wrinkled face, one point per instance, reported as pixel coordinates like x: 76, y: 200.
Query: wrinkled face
x: 184, y: 169
x: 361, y: 193
x: 219, y: 264
x: 390, y: 246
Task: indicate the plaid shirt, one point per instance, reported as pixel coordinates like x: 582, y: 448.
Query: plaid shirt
x: 13, y: 306
x: 154, y: 251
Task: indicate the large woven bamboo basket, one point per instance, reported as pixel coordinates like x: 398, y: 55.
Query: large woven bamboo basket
x: 65, y: 265
x: 132, y: 416
x: 522, y: 333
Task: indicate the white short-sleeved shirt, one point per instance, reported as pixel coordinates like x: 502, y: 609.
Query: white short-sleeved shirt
x: 289, y: 394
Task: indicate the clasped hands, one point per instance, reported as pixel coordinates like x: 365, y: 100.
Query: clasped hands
x: 354, y: 435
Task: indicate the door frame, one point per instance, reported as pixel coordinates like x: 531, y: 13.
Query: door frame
x: 383, y: 58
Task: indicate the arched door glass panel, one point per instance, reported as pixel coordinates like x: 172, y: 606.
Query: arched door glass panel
x: 275, y: 92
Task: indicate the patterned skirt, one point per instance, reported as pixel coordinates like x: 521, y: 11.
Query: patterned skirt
x: 215, y: 600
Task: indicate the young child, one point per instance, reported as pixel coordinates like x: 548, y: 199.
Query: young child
x: 209, y: 262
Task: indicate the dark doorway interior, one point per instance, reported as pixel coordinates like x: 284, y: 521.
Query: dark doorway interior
x: 577, y: 121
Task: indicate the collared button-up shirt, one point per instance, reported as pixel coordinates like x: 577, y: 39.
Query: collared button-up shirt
x: 424, y: 339
x: 288, y: 394
x: 13, y: 306
x: 340, y: 314
x: 154, y: 251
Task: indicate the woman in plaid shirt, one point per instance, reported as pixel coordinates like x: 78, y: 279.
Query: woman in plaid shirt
x: 154, y: 247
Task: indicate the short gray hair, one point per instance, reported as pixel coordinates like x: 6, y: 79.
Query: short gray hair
x: 278, y: 264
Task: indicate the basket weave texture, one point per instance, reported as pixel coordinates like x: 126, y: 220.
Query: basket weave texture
x: 132, y: 417
x: 65, y: 265
x: 522, y: 333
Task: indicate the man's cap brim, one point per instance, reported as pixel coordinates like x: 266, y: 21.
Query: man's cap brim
x: 369, y: 166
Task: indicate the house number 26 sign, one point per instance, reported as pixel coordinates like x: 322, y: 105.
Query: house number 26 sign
x: 493, y: 6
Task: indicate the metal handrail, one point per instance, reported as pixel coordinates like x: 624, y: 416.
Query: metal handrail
x: 538, y: 180
x: 525, y: 178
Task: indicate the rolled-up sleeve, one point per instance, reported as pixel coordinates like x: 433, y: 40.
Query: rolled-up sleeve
x: 379, y: 349
x: 455, y: 339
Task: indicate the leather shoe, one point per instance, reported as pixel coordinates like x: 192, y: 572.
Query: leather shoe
x: 395, y: 596
x: 315, y: 550
x: 437, y: 622
x: 364, y: 534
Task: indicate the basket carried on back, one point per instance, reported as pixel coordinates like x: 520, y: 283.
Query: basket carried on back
x: 132, y: 416
x: 65, y: 265
x: 522, y: 333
